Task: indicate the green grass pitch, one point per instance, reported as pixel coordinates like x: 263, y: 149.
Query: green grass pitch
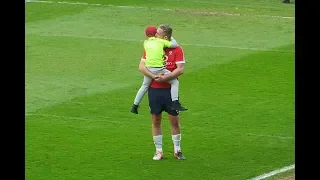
x: 82, y: 75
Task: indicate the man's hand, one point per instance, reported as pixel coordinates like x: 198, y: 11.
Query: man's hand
x: 162, y: 78
x: 173, y: 75
x: 156, y: 76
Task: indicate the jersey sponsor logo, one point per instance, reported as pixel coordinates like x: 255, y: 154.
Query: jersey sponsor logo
x: 166, y: 62
x: 165, y: 57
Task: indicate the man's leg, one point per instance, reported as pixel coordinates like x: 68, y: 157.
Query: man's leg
x: 173, y: 116
x: 155, y: 97
x: 143, y: 89
x: 176, y: 135
x: 157, y: 136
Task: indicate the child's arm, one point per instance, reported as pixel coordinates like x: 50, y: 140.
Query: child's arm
x: 174, y: 43
x: 170, y: 44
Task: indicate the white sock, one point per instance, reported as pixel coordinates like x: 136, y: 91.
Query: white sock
x: 158, y: 142
x: 176, y: 142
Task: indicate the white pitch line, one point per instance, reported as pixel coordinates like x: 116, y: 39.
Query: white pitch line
x: 272, y: 173
x: 264, y: 135
x: 141, y: 7
x: 96, y: 119
x: 106, y: 119
x: 263, y: 5
x: 184, y: 44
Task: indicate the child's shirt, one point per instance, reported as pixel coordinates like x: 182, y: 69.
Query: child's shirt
x: 154, y: 51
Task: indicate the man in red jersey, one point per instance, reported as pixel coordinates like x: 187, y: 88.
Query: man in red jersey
x: 160, y: 97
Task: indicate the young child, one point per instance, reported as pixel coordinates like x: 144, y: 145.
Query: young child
x: 153, y: 47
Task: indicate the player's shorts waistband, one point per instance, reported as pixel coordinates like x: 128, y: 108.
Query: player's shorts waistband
x: 159, y: 88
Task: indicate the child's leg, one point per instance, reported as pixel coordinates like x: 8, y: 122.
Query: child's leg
x: 175, y: 94
x: 174, y: 89
x: 143, y: 89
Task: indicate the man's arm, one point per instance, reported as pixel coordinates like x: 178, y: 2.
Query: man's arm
x: 173, y: 75
x: 143, y: 69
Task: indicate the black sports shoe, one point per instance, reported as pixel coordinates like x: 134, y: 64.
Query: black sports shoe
x: 134, y: 109
x: 176, y: 106
x: 179, y: 155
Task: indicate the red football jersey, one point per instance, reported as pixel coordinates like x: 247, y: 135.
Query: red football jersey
x: 173, y: 56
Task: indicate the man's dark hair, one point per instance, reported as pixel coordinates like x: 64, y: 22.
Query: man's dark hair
x: 167, y: 30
